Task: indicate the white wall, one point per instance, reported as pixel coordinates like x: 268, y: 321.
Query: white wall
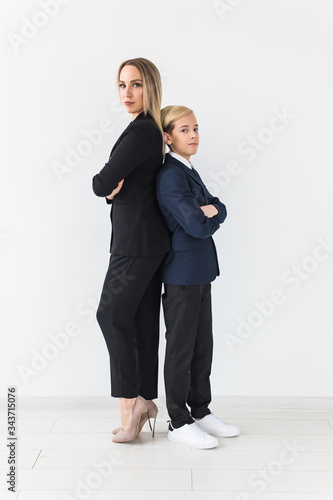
x: 239, y: 64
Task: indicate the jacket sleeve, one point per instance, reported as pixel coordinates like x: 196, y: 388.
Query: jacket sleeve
x: 133, y: 150
x: 175, y: 194
x: 220, y: 207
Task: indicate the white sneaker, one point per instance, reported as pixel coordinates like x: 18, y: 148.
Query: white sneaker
x: 192, y: 435
x: 213, y: 425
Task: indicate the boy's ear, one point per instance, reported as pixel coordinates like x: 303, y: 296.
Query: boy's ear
x: 167, y: 139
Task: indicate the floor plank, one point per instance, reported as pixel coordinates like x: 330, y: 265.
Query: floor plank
x: 285, y: 448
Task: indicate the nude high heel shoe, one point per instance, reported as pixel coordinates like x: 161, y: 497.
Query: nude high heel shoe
x: 152, y: 411
x: 139, y: 409
x: 143, y: 420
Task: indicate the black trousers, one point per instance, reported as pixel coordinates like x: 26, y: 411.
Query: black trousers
x: 128, y: 314
x: 189, y: 350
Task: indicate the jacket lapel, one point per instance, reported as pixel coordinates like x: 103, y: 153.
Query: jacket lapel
x: 195, y: 176
x: 139, y: 117
x: 192, y: 173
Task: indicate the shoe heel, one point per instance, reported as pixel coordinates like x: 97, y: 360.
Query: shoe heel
x: 152, y: 412
x: 152, y: 428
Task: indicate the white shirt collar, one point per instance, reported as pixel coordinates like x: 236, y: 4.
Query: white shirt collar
x: 181, y: 158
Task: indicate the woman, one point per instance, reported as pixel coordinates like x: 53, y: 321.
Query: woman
x: 192, y: 215
x: 128, y: 313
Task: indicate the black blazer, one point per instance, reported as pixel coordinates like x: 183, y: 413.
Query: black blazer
x: 138, y: 227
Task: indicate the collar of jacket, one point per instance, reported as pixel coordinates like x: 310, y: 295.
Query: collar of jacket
x: 188, y: 171
x: 142, y: 115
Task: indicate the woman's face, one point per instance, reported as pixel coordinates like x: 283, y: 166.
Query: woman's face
x: 131, y: 90
x: 184, y: 139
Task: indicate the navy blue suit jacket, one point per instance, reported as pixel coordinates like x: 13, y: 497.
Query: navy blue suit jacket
x: 180, y: 194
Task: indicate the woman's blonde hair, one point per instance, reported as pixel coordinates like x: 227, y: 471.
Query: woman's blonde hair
x: 152, y: 87
x: 170, y: 114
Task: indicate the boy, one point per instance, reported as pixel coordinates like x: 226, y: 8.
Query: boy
x: 192, y: 215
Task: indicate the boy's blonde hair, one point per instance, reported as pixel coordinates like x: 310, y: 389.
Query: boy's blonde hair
x: 170, y: 114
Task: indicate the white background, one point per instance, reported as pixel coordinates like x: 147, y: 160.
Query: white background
x: 234, y: 64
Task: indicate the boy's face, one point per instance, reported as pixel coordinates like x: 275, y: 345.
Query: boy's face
x: 184, y: 139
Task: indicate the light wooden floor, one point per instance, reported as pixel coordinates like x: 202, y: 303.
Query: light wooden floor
x: 65, y: 452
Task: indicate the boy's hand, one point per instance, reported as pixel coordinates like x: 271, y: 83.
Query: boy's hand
x: 115, y: 191
x: 209, y: 210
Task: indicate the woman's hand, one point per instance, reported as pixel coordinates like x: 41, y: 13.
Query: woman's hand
x: 115, y: 191
x: 209, y: 210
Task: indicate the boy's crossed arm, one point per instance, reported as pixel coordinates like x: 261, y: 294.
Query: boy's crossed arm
x: 176, y: 195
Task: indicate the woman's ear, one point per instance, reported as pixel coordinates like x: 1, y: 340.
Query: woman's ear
x: 167, y: 139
